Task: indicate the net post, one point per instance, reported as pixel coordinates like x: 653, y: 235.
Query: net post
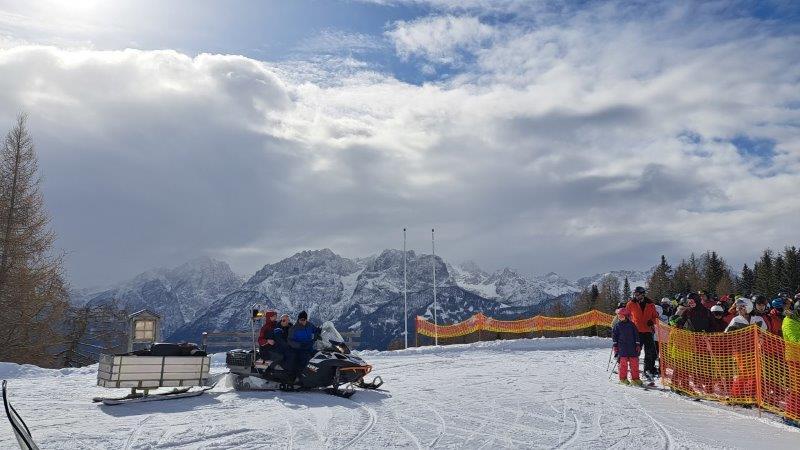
x: 757, y: 356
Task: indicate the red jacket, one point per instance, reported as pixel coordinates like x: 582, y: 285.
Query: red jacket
x: 774, y: 322
x: 266, y: 332
x: 640, y: 316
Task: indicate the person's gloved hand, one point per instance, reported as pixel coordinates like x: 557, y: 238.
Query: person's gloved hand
x: 270, y: 342
x: 649, y: 323
x: 616, y: 351
x: 638, y: 349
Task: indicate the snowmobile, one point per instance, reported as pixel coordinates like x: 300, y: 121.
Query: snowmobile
x: 332, y: 367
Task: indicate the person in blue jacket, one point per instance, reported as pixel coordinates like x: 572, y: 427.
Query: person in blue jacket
x: 627, y: 347
x: 301, y: 341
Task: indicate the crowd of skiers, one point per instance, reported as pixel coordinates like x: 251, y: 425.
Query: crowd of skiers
x: 291, y: 344
x: 633, y: 329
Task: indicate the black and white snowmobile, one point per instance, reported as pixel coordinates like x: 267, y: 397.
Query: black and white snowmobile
x: 332, y: 367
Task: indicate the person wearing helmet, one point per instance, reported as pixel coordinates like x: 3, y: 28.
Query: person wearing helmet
x: 718, y: 323
x: 745, y: 318
x: 644, y: 316
x: 666, y: 307
x: 774, y: 318
x: 627, y: 347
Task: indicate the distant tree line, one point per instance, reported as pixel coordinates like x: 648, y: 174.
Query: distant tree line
x: 773, y: 273
x: 37, y: 323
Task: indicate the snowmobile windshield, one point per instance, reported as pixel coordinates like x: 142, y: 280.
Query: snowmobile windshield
x: 327, y: 335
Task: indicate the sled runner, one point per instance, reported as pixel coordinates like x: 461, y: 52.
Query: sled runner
x: 21, y: 431
x: 163, y: 365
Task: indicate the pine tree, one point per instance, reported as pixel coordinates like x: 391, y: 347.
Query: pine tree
x: 791, y: 275
x: 747, y: 281
x: 687, y: 276
x: 778, y: 269
x: 765, y: 283
x: 660, y: 283
x: 33, y: 295
x: 626, y: 289
x: 714, y: 270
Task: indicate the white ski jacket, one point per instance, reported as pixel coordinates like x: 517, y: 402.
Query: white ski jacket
x: 740, y: 322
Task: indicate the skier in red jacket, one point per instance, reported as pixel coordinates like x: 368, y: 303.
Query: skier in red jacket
x: 644, y: 316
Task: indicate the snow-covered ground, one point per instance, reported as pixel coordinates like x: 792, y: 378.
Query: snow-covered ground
x: 538, y: 393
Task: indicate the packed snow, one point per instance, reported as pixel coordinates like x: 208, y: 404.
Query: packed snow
x: 530, y: 393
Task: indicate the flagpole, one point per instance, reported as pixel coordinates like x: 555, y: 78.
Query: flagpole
x: 435, y: 321
x: 405, y: 289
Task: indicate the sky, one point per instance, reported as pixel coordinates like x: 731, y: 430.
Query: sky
x: 575, y: 137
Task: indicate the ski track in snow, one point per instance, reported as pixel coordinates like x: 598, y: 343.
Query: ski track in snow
x: 503, y: 396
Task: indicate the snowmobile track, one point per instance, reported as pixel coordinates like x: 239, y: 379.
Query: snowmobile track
x: 372, y: 418
x: 668, y: 441
x: 441, y: 422
x: 135, y: 432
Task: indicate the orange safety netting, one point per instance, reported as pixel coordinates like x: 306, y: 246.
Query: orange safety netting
x: 479, y: 322
x: 748, y: 366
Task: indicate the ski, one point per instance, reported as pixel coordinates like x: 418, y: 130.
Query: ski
x: 141, y: 398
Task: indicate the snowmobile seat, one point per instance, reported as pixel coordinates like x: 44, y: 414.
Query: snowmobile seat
x: 21, y: 431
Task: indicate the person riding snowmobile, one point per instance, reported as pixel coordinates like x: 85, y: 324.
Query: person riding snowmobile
x: 266, y: 338
x: 301, y: 341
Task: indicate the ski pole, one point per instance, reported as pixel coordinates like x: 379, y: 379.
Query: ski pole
x: 608, y: 364
x: 615, y: 366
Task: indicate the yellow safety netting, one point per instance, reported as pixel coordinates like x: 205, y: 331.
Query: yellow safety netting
x: 479, y: 322
x: 748, y: 366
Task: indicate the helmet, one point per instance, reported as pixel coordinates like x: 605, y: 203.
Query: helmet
x: 665, y: 300
x: 778, y: 303
x: 639, y: 290
x: 702, y: 292
x: 746, y: 302
x: 717, y: 308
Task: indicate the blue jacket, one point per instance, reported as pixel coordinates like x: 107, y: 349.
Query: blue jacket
x: 302, y: 336
x: 626, y: 338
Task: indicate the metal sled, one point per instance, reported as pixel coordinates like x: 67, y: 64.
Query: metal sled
x: 145, y: 373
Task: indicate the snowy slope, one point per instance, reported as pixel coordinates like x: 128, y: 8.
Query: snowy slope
x: 509, y: 394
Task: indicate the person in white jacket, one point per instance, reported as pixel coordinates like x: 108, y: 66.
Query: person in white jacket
x: 744, y: 306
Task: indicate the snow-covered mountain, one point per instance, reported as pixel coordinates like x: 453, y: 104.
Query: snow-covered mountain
x: 635, y: 278
x: 361, y: 294
x: 510, y: 287
x: 178, y: 294
x: 366, y: 294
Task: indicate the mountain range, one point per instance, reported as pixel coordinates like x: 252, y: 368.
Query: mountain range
x: 360, y: 294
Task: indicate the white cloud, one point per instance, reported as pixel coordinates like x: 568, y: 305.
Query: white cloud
x: 562, y: 146
x: 439, y: 38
